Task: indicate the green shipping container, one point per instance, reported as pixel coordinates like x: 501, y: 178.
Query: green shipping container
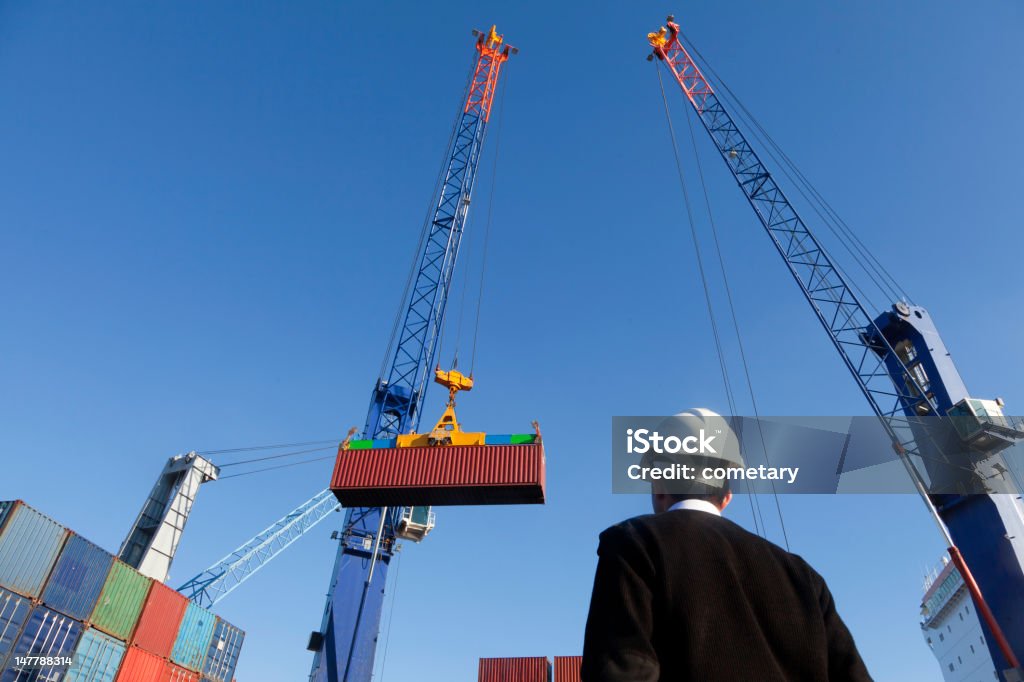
x: 523, y: 438
x: 121, y: 601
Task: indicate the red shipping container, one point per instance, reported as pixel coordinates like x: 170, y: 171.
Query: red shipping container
x: 567, y: 668
x: 535, y: 669
x: 445, y: 475
x: 175, y: 673
x: 158, y: 624
x: 141, y: 666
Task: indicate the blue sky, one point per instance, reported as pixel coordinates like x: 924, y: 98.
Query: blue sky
x: 209, y: 210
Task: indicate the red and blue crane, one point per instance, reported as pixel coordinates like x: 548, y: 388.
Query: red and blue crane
x: 903, y: 369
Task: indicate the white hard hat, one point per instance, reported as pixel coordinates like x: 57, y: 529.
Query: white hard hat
x: 707, y: 428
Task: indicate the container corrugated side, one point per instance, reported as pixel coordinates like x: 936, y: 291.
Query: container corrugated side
x: 567, y: 668
x: 452, y: 475
x: 47, y: 633
x: 222, y: 656
x: 527, y: 669
x: 14, y: 610
x: 29, y: 545
x: 140, y: 666
x: 77, y: 578
x: 158, y: 624
x: 194, y: 636
x: 175, y: 673
x: 121, y: 600
x: 97, y: 658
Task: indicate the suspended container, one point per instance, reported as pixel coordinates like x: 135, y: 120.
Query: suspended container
x: 141, y: 666
x: 222, y: 655
x: 97, y: 658
x: 193, y: 641
x: 30, y: 543
x: 46, y: 633
x: 158, y: 624
x: 121, y: 600
x: 14, y: 610
x: 446, y: 466
x: 77, y: 579
x: 567, y: 668
x: 532, y: 669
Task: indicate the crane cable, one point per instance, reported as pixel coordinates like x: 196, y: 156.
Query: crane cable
x: 723, y: 367
x: 844, y: 233
x: 735, y: 319
x: 501, y: 96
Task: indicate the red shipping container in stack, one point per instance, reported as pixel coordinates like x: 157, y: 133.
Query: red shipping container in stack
x: 161, y: 617
x: 529, y: 669
x: 427, y: 476
x: 567, y: 668
x: 141, y: 666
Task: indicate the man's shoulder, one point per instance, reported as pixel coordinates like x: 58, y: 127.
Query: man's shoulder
x: 670, y: 525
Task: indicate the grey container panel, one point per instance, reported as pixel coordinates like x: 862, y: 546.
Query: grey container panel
x: 222, y: 656
x: 97, y: 658
x: 77, y: 578
x: 14, y: 610
x: 5, y: 507
x: 29, y: 545
x: 47, y: 633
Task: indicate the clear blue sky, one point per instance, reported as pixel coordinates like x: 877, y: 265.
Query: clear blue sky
x: 209, y: 209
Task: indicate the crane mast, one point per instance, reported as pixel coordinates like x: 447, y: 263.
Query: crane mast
x: 345, y: 644
x: 900, y: 365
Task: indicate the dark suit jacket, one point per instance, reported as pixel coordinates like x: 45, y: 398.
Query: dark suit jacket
x: 686, y: 595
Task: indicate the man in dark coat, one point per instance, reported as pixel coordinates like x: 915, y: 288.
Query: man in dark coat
x: 687, y: 595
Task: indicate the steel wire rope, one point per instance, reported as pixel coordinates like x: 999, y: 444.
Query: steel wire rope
x: 707, y: 292
x: 252, y: 448
x: 735, y: 323
x: 490, y: 215
x: 892, y: 286
x: 424, y: 231
x: 696, y: 243
x: 279, y: 466
x: 391, y: 616
x: 280, y: 456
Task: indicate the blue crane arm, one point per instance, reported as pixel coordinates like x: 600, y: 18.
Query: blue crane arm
x: 852, y: 330
x: 216, y: 582
x: 344, y: 646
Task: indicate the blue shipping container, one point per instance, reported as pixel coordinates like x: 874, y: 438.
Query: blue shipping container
x: 13, y: 613
x: 29, y: 545
x: 47, y: 633
x: 5, y: 508
x: 77, y: 579
x: 193, y: 642
x: 96, y: 659
x: 223, y: 653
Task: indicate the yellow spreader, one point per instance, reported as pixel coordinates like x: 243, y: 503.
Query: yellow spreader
x: 447, y: 430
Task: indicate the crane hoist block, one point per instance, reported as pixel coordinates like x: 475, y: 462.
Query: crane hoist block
x: 504, y: 470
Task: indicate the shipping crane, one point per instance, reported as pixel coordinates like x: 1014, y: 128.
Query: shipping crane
x: 344, y: 646
x: 345, y: 643
x: 903, y: 369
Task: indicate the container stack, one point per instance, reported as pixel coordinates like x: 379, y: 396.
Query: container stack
x: 71, y: 611
x: 531, y: 669
x: 524, y: 669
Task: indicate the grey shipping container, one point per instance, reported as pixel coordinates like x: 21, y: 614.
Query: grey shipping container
x: 222, y: 656
x: 77, y: 578
x: 47, y: 633
x: 96, y: 659
x: 14, y: 610
x: 29, y: 545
